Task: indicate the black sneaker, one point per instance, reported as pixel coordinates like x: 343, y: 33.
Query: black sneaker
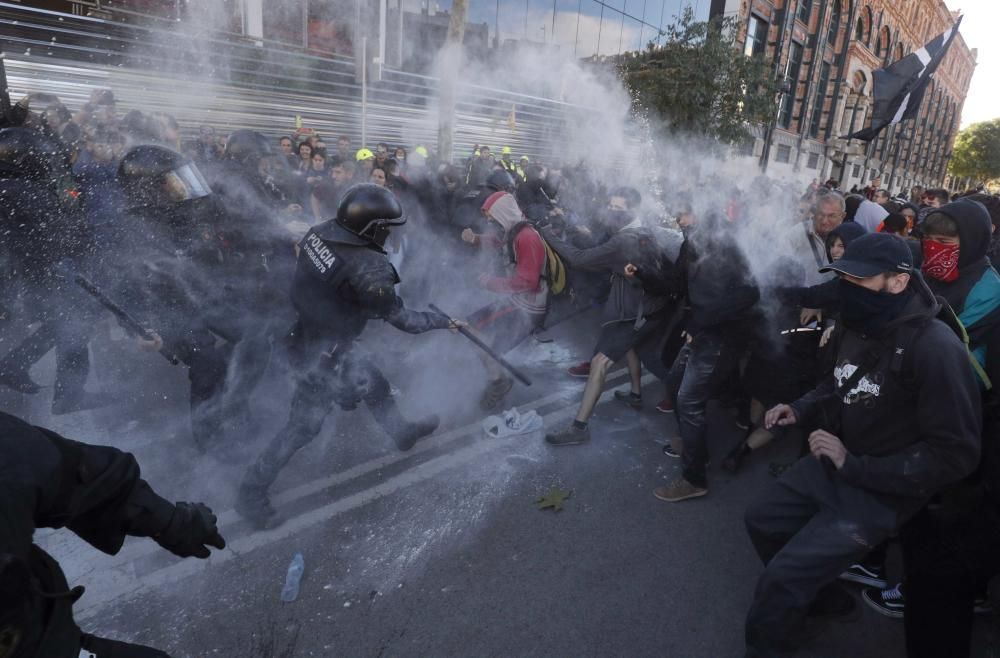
x: 629, y: 398
x: 888, y: 601
x: 732, y: 462
x: 873, y: 576
x: 668, y: 450
x: 571, y: 436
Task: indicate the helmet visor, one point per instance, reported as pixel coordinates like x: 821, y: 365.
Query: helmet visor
x: 183, y: 184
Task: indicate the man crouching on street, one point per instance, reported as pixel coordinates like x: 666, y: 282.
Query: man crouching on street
x: 899, y: 420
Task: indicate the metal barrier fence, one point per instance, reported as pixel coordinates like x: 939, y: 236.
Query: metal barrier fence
x: 226, y: 82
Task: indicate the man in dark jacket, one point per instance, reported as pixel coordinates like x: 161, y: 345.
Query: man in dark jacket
x: 950, y: 552
x: 48, y: 481
x: 900, y: 419
x: 633, y: 317
x: 722, y: 295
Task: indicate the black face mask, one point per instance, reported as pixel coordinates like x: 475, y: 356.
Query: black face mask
x: 617, y: 219
x: 868, y: 311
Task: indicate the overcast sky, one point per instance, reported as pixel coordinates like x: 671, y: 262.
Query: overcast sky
x: 979, y: 29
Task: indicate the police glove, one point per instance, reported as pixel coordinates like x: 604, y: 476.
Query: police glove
x: 191, y: 530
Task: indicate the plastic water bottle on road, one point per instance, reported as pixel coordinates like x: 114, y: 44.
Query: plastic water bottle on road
x: 290, y: 591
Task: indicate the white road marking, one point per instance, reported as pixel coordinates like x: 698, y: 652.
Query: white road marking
x: 109, y: 583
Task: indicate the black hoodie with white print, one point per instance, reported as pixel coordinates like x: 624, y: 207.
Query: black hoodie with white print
x: 908, y: 431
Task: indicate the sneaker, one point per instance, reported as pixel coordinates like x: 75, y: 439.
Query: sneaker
x: 666, y: 406
x: 678, y: 490
x: 669, y: 451
x: 873, y: 576
x: 888, y: 601
x: 731, y: 463
x: 629, y: 398
x: 581, y: 370
x: 495, y: 391
x: 571, y: 436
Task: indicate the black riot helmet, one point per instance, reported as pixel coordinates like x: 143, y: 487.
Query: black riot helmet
x: 500, y: 181
x: 248, y: 146
x: 28, y: 153
x: 158, y: 177
x: 368, y: 211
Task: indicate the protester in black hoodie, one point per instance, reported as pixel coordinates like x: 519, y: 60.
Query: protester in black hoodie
x: 722, y: 296
x: 901, y: 419
x: 952, y: 551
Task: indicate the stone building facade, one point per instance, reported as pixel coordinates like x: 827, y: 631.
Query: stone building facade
x: 826, y: 50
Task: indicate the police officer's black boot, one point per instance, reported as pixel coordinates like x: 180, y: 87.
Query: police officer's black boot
x: 254, y: 505
x: 15, y: 365
x: 404, y: 432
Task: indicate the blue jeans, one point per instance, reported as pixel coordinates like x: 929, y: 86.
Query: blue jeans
x: 693, y: 379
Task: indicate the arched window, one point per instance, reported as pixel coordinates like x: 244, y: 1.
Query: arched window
x: 831, y: 37
x: 882, y: 45
x: 859, y: 82
x: 859, y: 29
x: 863, y: 28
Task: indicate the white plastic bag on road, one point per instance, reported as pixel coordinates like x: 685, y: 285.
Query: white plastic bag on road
x: 511, y: 423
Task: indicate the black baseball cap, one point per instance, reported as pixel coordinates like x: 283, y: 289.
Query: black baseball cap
x: 871, y: 255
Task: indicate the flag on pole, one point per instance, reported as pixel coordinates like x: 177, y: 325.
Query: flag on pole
x: 512, y: 118
x: 899, y: 89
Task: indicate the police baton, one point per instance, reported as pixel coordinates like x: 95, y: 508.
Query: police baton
x: 520, y: 376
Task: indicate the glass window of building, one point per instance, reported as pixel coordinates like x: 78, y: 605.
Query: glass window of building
x: 756, y: 42
x: 791, y: 82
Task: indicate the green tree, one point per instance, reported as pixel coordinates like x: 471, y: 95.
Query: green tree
x: 700, y: 82
x: 977, y: 152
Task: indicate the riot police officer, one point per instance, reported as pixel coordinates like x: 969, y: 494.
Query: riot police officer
x: 44, y: 235
x: 171, y: 266
x: 48, y: 481
x: 343, y: 280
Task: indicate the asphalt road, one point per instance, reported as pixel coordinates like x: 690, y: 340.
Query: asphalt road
x: 440, y: 551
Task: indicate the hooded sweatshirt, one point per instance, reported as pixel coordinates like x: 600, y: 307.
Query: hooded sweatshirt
x: 907, y: 434
x: 870, y: 215
x: 975, y: 294
x: 526, y: 285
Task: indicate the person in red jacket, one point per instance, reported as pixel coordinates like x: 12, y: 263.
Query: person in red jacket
x: 506, y: 322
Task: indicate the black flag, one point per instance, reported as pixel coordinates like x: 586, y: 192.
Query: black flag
x: 899, y: 89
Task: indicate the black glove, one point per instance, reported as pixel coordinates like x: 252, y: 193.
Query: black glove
x: 191, y: 530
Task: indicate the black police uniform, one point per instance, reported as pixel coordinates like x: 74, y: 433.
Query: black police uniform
x: 343, y: 280
x: 171, y: 270
x: 48, y: 481
x: 44, y: 237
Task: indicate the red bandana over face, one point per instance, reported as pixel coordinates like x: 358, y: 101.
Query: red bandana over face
x: 940, y: 260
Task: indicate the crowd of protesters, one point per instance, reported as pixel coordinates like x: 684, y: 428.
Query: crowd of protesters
x: 888, y: 309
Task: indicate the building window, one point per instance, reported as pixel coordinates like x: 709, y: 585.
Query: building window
x: 834, y: 24
x: 824, y: 82
x: 756, y: 37
x: 805, y: 8
x: 784, y: 153
x: 859, y: 29
x: 791, y: 83
x: 856, y: 171
x: 813, y: 161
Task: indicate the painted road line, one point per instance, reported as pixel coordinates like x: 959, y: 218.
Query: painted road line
x: 125, y: 583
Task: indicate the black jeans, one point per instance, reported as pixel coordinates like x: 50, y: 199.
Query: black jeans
x: 807, y: 528
x: 949, y: 555
x: 693, y: 379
